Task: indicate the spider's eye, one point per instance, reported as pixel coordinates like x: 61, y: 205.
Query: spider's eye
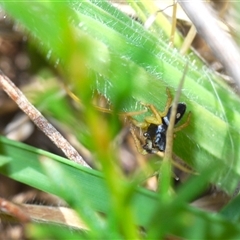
x: 145, y: 134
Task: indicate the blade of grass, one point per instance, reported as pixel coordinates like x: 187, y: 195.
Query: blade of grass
x: 231, y: 210
x: 166, y: 168
x: 23, y: 165
x: 161, y: 25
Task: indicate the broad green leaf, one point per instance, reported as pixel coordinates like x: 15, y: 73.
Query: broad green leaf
x: 31, y: 166
x: 231, y: 211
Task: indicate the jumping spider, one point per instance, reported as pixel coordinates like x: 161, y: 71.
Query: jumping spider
x: 155, y: 127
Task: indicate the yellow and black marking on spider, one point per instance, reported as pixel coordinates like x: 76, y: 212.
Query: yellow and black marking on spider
x: 155, y: 127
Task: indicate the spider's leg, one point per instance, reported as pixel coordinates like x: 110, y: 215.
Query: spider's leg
x: 142, y: 125
x: 137, y: 142
x: 176, y: 129
x: 168, y: 104
x: 157, y: 116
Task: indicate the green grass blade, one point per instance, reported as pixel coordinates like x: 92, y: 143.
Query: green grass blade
x: 231, y: 211
x: 34, y: 167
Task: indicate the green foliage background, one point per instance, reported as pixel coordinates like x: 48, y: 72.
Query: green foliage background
x: 95, y: 47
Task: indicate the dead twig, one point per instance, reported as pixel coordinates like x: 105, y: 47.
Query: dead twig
x: 223, y: 46
x: 14, y: 210
x: 40, y: 121
x: 54, y: 215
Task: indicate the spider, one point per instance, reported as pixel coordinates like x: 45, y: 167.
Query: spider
x: 155, y: 127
